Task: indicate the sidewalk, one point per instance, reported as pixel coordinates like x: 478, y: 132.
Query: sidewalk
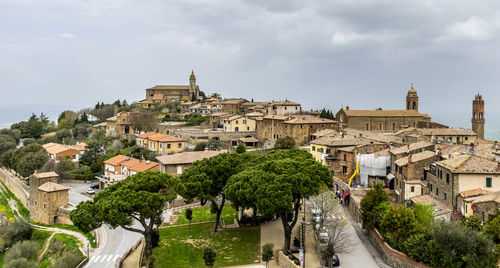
x: 366, y: 243
x: 133, y: 259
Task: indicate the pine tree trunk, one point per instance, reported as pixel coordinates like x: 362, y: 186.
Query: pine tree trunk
x: 218, y: 213
x: 148, y: 251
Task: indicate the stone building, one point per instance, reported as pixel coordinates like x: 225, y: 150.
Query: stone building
x: 232, y: 106
x: 47, y: 198
x: 478, y: 116
x: 283, y: 108
x: 463, y: 173
x: 299, y: 127
x: 438, y: 135
x: 410, y: 179
x: 165, y: 93
x: 239, y: 123
x: 176, y: 164
x: 385, y: 120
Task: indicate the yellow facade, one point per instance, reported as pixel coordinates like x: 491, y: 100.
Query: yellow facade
x: 240, y: 124
x: 317, y: 151
x: 163, y: 148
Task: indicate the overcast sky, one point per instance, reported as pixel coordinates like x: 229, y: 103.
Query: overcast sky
x: 321, y: 53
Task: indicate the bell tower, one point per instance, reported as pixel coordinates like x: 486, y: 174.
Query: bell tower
x: 192, y: 84
x: 412, y: 99
x: 478, y: 116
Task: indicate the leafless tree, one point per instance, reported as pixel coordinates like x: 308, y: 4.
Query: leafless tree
x: 333, y: 221
x: 142, y: 121
x: 323, y: 206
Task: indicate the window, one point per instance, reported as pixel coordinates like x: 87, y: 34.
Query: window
x: 244, y: 121
x: 345, y: 157
x: 311, y: 126
x: 285, y: 107
x: 488, y: 182
x: 179, y: 145
x: 236, y: 121
x: 320, y: 150
x: 447, y: 177
x: 412, y: 189
x: 314, y: 148
x: 445, y: 196
x: 234, y: 143
x: 380, y: 126
x: 295, y: 108
x: 169, y: 146
x: 430, y: 187
x: 367, y: 127
x: 437, y: 191
x: 179, y: 169
x: 344, y: 170
x: 300, y: 126
x: 328, y: 151
x: 44, y: 205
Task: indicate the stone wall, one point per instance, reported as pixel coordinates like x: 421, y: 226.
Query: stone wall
x: 391, y: 256
x: 284, y: 261
x: 63, y: 216
x: 19, y: 189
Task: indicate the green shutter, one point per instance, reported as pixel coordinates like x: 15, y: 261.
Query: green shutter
x: 488, y: 182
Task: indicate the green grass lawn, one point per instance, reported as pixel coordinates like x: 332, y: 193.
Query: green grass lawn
x: 180, y: 247
x: 202, y: 214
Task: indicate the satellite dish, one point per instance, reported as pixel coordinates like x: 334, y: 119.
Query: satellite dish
x: 472, y: 151
x: 473, y: 207
x: 472, y: 145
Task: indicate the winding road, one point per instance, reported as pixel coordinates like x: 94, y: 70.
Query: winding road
x: 113, y: 243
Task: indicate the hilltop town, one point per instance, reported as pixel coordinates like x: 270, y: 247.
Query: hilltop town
x: 379, y: 188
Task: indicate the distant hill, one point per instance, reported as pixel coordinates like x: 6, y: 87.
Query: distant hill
x: 10, y: 114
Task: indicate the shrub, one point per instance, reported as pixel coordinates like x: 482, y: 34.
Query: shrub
x: 25, y: 249
x: 209, y: 255
x: 285, y: 143
x: 68, y: 260
x: 19, y: 263
x: 15, y: 231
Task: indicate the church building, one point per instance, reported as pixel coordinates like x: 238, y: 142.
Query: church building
x: 165, y: 93
x: 386, y: 120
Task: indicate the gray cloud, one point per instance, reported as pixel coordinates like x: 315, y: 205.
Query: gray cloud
x: 362, y: 53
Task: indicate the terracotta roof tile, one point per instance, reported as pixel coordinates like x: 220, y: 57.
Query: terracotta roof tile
x: 470, y: 164
x: 42, y: 175
x: 116, y: 160
x: 415, y: 158
x: 186, y: 157
x: 144, y: 166
x: 52, y: 187
x: 385, y: 113
x: 474, y: 192
x: 411, y: 147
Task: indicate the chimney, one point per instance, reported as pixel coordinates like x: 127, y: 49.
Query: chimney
x: 409, y: 169
x: 115, y: 110
x: 347, y: 107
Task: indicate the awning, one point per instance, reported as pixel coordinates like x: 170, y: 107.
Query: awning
x: 390, y: 176
x: 250, y: 139
x: 456, y: 216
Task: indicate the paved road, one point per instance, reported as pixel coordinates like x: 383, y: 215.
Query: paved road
x: 113, y: 243
x: 363, y: 254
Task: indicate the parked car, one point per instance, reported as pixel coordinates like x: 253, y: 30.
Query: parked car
x: 316, y: 215
x: 91, y: 191
x: 94, y: 185
x: 335, y: 260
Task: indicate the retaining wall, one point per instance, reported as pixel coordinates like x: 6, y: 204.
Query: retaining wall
x: 391, y: 256
x: 19, y: 189
x: 284, y: 261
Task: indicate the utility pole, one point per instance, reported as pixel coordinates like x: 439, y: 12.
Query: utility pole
x: 304, y: 233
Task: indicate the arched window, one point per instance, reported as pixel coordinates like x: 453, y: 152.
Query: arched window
x: 481, y: 115
x: 408, y: 106
x: 414, y: 105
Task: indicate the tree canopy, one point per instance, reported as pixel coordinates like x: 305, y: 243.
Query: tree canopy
x: 279, y: 183
x: 206, y: 178
x: 374, y: 206
x: 138, y: 198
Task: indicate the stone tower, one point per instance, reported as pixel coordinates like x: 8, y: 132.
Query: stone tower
x: 478, y: 116
x: 194, y: 88
x: 412, y: 99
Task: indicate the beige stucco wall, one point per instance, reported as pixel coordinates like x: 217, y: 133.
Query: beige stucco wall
x: 417, y: 190
x: 473, y: 181
x: 243, y: 124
